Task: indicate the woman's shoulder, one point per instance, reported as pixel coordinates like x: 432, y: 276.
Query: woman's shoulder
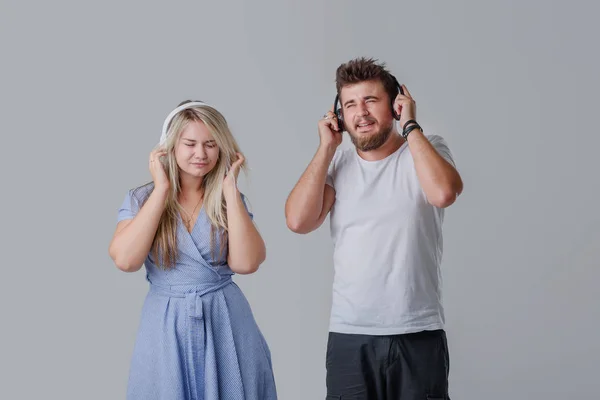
x: 141, y: 193
x: 133, y: 201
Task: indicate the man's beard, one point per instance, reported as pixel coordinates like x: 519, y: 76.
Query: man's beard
x: 371, y: 142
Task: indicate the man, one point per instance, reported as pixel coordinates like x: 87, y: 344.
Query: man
x: 387, y: 197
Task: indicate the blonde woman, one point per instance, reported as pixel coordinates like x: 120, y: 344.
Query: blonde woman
x: 192, y: 230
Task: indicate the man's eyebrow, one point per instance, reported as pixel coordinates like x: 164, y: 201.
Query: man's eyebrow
x: 368, y: 97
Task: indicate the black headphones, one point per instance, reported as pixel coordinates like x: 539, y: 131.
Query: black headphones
x: 340, y: 117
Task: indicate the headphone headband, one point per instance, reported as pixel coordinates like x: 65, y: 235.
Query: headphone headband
x: 163, y: 136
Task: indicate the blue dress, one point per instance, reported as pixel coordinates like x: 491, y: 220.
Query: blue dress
x: 197, y: 337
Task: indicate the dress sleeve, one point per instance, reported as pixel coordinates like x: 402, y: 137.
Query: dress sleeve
x: 129, y: 208
x: 245, y: 201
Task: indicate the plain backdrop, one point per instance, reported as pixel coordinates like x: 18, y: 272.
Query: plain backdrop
x: 512, y: 86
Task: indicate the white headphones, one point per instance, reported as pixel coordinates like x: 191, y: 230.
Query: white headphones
x: 163, y: 136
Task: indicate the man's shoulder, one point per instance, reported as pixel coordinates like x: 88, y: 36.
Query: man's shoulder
x: 435, y: 138
x: 338, y: 163
x: 342, y: 155
x: 441, y: 145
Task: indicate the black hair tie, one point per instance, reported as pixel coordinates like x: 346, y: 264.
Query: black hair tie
x: 408, y: 130
x: 408, y: 122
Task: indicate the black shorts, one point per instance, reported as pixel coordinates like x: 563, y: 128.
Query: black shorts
x: 410, y: 366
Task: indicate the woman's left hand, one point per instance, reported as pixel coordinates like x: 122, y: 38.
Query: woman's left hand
x: 230, y: 182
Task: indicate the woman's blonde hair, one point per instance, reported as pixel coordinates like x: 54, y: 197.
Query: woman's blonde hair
x: 164, y: 247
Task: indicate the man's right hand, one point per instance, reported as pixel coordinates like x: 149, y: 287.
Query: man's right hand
x: 331, y: 138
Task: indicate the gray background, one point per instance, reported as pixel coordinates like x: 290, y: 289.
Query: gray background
x: 512, y: 86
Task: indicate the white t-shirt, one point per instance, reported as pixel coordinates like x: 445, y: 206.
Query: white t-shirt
x: 387, y: 243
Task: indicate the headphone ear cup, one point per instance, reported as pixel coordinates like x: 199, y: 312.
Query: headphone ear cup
x: 338, y: 114
x: 394, y: 113
x: 400, y: 91
x: 340, y: 120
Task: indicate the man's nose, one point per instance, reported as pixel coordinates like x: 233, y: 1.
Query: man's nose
x: 362, y: 109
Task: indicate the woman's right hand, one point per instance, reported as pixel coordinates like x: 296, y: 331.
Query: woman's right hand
x: 159, y: 176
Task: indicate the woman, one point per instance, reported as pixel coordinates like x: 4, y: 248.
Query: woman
x: 192, y: 230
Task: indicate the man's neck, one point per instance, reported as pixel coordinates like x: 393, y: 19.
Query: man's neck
x: 393, y: 143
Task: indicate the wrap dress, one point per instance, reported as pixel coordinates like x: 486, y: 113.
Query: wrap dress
x: 197, y: 338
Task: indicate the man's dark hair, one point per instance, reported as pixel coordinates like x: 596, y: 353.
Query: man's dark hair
x: 365, y: 69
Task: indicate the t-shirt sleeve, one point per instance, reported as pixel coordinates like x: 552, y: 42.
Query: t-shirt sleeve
x: 129, y: 208
x: 441, y: 146
x: 245, y: 201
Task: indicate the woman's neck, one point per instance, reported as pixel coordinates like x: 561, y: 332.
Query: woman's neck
x: 191, y: 187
